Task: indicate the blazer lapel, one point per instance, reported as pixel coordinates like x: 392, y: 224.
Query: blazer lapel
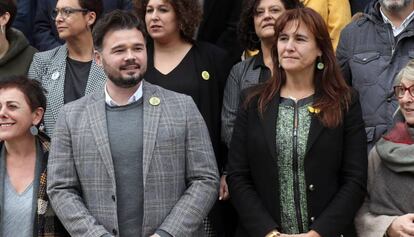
x: 152, y: 114
x: 97, y: 120
x: 57, y: 72
x: 315, y: 130
x: 269, y: 124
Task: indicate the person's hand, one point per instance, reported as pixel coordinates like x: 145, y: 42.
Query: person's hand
x: 224, y: 190
x: 402, y: 226
x: 155, y: 235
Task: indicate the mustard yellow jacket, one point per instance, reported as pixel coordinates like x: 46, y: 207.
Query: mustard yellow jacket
x: 336, y: 13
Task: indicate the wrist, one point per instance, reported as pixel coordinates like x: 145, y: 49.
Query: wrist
x: 273, y: 233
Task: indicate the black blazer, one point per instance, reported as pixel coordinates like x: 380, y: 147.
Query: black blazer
x: 335, y: 164
x: 214, y: 60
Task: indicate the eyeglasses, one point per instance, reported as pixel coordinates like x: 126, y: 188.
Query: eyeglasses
x: 66, y: 12
x: 400, y: 91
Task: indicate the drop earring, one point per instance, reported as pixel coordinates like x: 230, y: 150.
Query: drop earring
x: 320, y: 65
x: 33, y: 130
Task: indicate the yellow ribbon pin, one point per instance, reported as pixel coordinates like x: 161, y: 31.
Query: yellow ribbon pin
x: 205, y: 75
x: 154, y: 101
x: 314, y: 110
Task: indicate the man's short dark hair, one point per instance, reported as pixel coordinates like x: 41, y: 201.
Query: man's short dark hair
x: 116, y: 20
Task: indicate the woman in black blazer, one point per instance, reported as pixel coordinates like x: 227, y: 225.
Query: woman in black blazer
x: 297, y: 160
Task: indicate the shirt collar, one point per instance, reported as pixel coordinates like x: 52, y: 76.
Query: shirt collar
x: 136, y: 96
x: 259, y: 62
x: 397, y: 30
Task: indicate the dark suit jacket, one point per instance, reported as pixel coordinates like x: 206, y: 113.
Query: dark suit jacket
x: 219, y: 25
x: 335, y: 164
x: 45, y: 35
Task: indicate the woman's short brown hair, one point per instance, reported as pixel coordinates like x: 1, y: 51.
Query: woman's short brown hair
x: 188, y: 12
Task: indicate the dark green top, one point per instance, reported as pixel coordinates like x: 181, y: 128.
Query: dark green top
x: 291, y: 147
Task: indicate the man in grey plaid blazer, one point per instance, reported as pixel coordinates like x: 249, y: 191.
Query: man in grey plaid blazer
x: 96, y: 184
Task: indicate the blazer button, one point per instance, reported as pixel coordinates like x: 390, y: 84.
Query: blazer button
x: 312, y: 219
x: 311, y: 187
x: 113, y: 198
x: 114, y: 231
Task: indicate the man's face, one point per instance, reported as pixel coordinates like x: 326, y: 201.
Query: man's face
x: 123, y: 57
x: 394, y: 5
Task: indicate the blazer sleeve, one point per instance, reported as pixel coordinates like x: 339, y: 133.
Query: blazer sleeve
x: 254, y: 216
x: 368, y: 224
x: 64, y: 188
x: 231, y: 100
x: 35, y: 68
x: 201, y: 176
x: 341, y: 210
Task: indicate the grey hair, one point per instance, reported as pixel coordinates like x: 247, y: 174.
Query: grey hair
x: 407, y: 73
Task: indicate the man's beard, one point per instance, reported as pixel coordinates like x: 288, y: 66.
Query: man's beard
x: 126, y: 82
x: 395, y: 6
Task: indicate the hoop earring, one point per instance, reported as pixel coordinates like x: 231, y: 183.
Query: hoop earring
x: 320, y: 65
x: 33, y: 130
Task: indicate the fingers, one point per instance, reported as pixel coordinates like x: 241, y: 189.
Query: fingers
x: 223, y: 191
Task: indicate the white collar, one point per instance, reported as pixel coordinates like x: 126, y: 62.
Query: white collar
x: 397, y: 30
x: 136, y: 96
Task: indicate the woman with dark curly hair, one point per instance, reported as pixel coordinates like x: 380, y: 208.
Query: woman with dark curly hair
x: 178, y: 63
x: 256, y: 31
x: 24, y: 203
x: 297, y: 158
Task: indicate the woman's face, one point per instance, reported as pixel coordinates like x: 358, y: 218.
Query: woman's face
x: 406, y: 102
x: 161, y: 20
x: 265, y: 16
x: 16, y: 116
x: 72, y: 20
x: 297, y: 48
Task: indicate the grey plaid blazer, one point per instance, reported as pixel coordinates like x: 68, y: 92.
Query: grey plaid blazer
x: 49, y: 68
x: 241, y: 76
x: 179, y: 169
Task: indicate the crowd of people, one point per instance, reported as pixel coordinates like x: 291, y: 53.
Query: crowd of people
x: 161, y: 118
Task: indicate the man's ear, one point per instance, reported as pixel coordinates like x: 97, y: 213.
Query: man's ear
x: 98, y: 57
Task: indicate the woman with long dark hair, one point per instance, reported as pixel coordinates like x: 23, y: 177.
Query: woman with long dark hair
x: 297, y: 159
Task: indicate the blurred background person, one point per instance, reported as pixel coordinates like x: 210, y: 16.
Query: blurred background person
x: 178, y: 63
x: 389, y: 207
x: 219, y: 25
x: 256, y: 31
x: 25, y: 208
x: 336, y: 14
x: 68, y: 72
x: 371, y: 52
x: 297, y: 159
x: 45, y: 34
x: 15, y: 52
x: 24, y: 20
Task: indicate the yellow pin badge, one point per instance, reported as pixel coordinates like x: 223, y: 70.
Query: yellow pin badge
x: 205, y: 75
x: 313, y: 110
x: 154, y: 101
